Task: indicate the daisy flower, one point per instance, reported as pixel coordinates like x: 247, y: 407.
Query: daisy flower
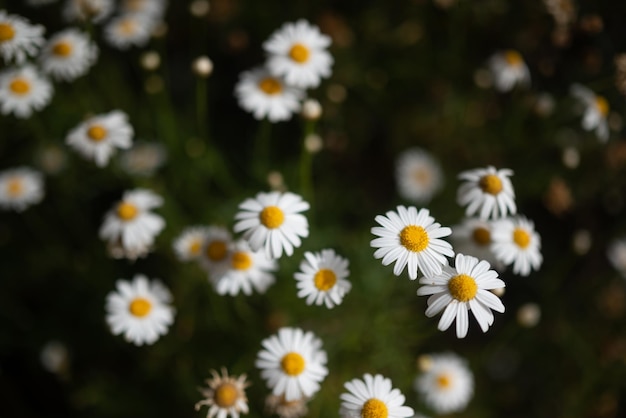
x: 418, y: 175
x: 130, y: 227
x: 129, y: 30
x: 293, y: 363
x: 460, y: 289
x: 150, y: 8
x: 286, y: 409
x: 446, y: 384
x: 322, y: 278
x: 68, y: 55
x: 188, y: 245
x: 19, y: 39
x: 516, y: 242
x: 297, y: 52
x: 267, y: 96
x: 373, y: 397
x: 214, y: 253
x: 246, y: 270
x: 98, y: 137
x: 473, y: 237
x: 596, y: 111
x: 225, y: 395
x: 143, y: 159
x: 20, y: 188
x: 273, y: 221
x: 92, y: 10
x: 488, y: 192
x: 508, y: 69
x: 140, y: 310
x: 616, y: 253
x: 411, y: 238
x: 23, y: 90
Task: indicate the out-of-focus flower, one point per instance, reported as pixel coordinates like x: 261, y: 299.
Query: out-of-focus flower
x: 508, y: 70
x: 286, y: 409
x: 322, y: 278
x: 473, y: 237
x: 293, y: 363
x: 418, y: 175
x: 150, y: 60
x: 595, y: 112
x: 311, y: 109
x: 140, y: 310
x: 558, y: 197
x: 68, y: 55
x: 563, y: 11
x: 460, y: 289
x: 373, y: 396
x: 620, y: 73
x: 20, y: 188
x: 313, y: 143
x: 51, y: 159
x: 202, y: 66
x: 19, y: 39
x: 23, y: 90
x: 129, y: 30
x: 94, y: 11
x: 54, y: 357
x: 412, y: 239
x: 153, y: 9
x: 528, y: 315
x: 298, y: 53
x: 199, y: 8
x: 188, y: 245
x: 214, y: 253
x: 516, y: 242
x: 225, y: 395
x: 616, y: 253
x: 488, y: 192
x: 143, y: 159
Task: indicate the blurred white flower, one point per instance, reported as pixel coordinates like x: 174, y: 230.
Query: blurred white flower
x: 68, y: 55
x: 516, y: 242
x: 508, y: 69
x: 487, y: 192
x: 20, y: 188
x: 418, y: 175
x: 19, y: 39
x: 596, y: 110
x: 23, y: 90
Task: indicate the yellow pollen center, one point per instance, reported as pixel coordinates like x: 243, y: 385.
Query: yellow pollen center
x: 140, y: 307
x: 422, y: 176
x: 292, y: 364
x: 216, y: 250
x: 414, y: 238
x: 299, y: 53
x: 62, y: 49
x: 513, y: 58
x: 126, y: 211
x: 19, y: 86
x: 325, y: 279
x: 490, y: 184
x: 521, y: 238
x: 127, y: 27
x: 96, y: 133
x: 462, y: 287
x: 241, y: 261
x: 7, y: 32
x: 15, y: 187
x: 602, y: 105
x: 481, y: 236
x: 374, y: 408
x: 272, y: 217
x: 195, y: 246
x: 226, y: 395
x: 443, y: 381
x: 270, y: 86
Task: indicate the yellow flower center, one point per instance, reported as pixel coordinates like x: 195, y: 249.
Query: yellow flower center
x: 272, y: 217
x: 462, y: 287
x: 96, y: 133
x: 602, y: 105
x: 62, y: 49
x: 241, y: 261
x: 443, y: 381
x: 19, y: 86
x: 7, y: 32
x: 325, y: 279
x: 299, y: 53
x: 292, y: 364
x: 521, y: 238
x: 414, y: 238
x: 270, y: 86
x: 140, y: 307
x: 490, y: 184
x: 127, y: 211
x: 15, y: 187
x: 195, y: 246
x: 481, y: 236
x: 226, y: 395
x: 127, y: 27
x: 374, y: 408
x: 216, y: 250
x: 422, y: 176
x: 513, y: 58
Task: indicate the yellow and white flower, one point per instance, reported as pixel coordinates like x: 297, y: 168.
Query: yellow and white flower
x: 23, y: 90
x: 20, y: 188
x: 322, y: 278
x: 214, y: 255
x: 188, y: 245
x: 94, y: 11
x: 225, y: 395
x: 19, y: 39
x: 508, y: 69
x: 418, y: 175
x: 516, y: 242
x: 596, y: 110
x: 128, y: 30
x: 473, y: 237
x: 487, y: 192
x: 373, y: 397
x: 143, y: 159
x: 68, y: 55
x: 150, y: 8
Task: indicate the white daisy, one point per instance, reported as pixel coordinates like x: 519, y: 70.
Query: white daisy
x: 95, y: 11
x: 298, y: 52
x: 596, y: 111
x: 225, y: 395
x: 68, y: 55
x: 516, y: 242
x: 273, y: 221
x: 130, y: 227
x: 19, y: 39
x: 411, y: 238
x: 418, y: 175
x: 508, y: 69
x: 267, y: 96
x: 188, y: 245
x: 129, y: 30
x: 446, y: 384
x: 140, y: 310
x: 20, y: 188
x: 473, y: 237
x: 292, y: 363
x: 322, y: 278
x: 488, y: 192
x: 616, y: 253
x: 98, y: 137
x: 214, y: 253
x: 277, y: 405
x: 143, y: 159
x: 150, y: 8
x: 373, y: 397
x: 460, y: 289
x: 246, y: 270
x: 23, y: 90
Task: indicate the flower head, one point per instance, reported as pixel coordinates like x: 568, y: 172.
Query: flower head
x: 473, y: 237
x: 225, y: 395
x: 616, y: 253
x: 418, y: 175
x: 516, y: 242
x: 322, y: 278
x: 488, y: 192
x: 19, y: 39
x: 596, y: 110
x: 23, y: 90
x: 373, y: 397
x: 88, y: 10
x: 128, y: 30
x: 508, y: 69
x: 68, y: 55
x: 20, y: 188
x: 188, y: 245
x: 214, y: 255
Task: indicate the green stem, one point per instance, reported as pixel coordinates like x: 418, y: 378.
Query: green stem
x: 306, y: 164
x: 201, y: 108
x: 261, y: 150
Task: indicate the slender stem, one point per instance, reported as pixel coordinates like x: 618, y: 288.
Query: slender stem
x: 201, y: 108
x: 261, y: 149
x: 306, y: 164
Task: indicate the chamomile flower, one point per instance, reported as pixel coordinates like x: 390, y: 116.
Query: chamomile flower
x: 418, y: 175
x: 487, y: 192
x: 68, y: 55
x: 99, y: 136
x: 462, y: 288
x: 19, y: 39
x: 447, y: 384
x: 214, y: 253
x: 225, y: 395
x: 267, y: 96
x: 277, y: 405
x: 298, y: 52
x: 150, y: 8
x: 596, y: 111
x: 94, y: 11
x: 273, y: 221
x: 373, y: 397
x: 516, y: 242
x: 130, y: 227
x: 140, y: 310
x: 143, y: 159
x: 188, y: 245
x: 508, y: 69
x: 20, y: 188
x: 322, y: 278
x: 23, y: 90
x: 129, y: 30
x: 293, y: 363
x: 616, y: 253
x: 412, y: 239
x: 473, y: 237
